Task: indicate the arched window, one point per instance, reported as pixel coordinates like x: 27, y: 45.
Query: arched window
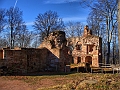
x: 78, y: 59
x: 88, y: 59
x: 78, y: 47
x: 70, y: 45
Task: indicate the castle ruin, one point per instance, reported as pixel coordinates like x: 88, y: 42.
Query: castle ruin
x: 55, y: 53
x: 87, y: 48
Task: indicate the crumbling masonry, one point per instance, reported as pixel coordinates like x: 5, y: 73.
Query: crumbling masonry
x: 87, y: 48
x: 51, y: 55
x: 54, y: 54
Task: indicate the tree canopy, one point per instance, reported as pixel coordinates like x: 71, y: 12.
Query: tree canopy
x: 48, y: 22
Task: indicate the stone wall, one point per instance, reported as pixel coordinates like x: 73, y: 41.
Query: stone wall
x: 87, y: 48
x: 1, y: 54
x: 51, y: 55
x: 54, y: 54
x: 24, y: 60
x: 58, y: 57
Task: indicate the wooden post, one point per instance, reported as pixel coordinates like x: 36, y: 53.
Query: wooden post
x: 78, y: 69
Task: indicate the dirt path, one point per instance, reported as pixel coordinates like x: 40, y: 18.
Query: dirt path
x: 7, y: 84
x: 14, y: 85
x: 77, y: 81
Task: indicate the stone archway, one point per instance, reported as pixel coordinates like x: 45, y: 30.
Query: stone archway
x: 88, y: 59
x: 78, y: 59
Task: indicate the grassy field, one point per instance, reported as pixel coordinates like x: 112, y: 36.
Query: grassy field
x: 73, y: 81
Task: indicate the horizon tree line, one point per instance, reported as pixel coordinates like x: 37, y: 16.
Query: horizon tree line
x: 14, y: 31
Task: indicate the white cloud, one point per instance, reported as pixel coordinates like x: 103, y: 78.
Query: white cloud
x: 59, y: 1
x: 65, y: 19
x: 80, y: 19
x: 29, y: 23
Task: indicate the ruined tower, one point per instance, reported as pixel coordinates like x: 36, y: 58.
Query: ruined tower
x: 58, y: 56
x: 87, y: 48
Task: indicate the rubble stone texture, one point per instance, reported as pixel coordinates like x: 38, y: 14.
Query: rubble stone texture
x: 51, y: 55
x: 55, y: 53
x: 58, y: 56
x: 87, y: 48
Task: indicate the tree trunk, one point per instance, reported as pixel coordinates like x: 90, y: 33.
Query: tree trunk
x: 108, y: 54
x: 12, y: 42
x: 113, y: 52
x: 119, y: 27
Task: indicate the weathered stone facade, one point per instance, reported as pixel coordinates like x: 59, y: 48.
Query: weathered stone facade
x: 53, y: 54
x: 24, y: 60
x: 87, y: 48
x: 59, y: 55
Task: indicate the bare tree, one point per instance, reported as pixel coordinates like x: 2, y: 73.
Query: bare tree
x: 2, y: 19
x: 105, y: 13
x: 74, y: 29
x: 95, y: 22
x: 115, y: 57
x: 70, y: 29
x: 113, y: 9
x: 3, y: 42
x: 48, y: 22
x: 14, y: 19
x: 36, y: 40
x: 23, y: 37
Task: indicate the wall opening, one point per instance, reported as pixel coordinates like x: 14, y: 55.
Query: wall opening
x: 78, y: 47
x: 88, y: 59
x: 78, y: 59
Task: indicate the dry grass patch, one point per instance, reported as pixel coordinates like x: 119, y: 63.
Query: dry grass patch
x: 76, y: 81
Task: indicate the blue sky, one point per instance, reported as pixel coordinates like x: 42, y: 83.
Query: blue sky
x: 68, y: 10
